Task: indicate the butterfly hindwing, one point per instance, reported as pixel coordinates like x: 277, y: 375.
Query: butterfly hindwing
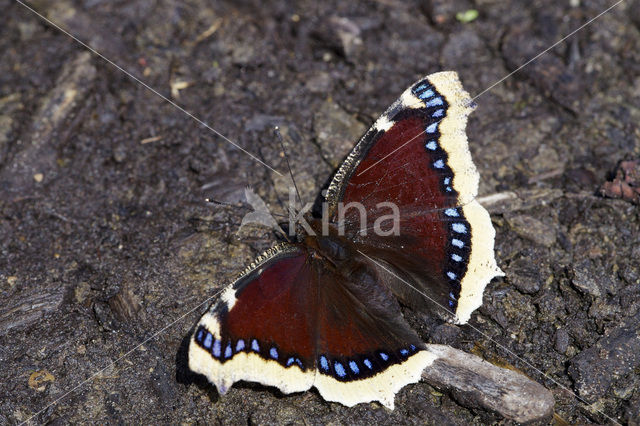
x: 416, y: 157
x: 366, y: 351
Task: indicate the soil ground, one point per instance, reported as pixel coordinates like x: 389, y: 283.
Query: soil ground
x: 105, y: 237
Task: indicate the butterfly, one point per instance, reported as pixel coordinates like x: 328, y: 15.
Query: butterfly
x: 324, y: 311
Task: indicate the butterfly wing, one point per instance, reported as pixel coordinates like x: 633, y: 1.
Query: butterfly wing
x: 293, y: 321
x: 261, y: 329
x: 416, y: 157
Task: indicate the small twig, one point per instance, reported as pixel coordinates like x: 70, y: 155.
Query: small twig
x: 151, y: 139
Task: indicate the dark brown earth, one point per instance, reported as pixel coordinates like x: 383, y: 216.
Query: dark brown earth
x: 105, y: 238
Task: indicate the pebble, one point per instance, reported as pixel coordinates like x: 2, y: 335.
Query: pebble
x: 335, y: 131
x: 591, y: 279
x: 526, y: 276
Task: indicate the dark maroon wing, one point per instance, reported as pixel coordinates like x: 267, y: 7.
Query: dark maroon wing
x: 415, y: 158
x: 262, y: 328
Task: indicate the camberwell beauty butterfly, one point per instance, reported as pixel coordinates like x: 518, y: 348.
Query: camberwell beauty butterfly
x: 324, y: 311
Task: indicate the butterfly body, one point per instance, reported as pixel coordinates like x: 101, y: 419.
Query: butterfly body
x: 402, y: 225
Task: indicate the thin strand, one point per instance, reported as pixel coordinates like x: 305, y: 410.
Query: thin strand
x: 286, y: 157
x: 224, y: 204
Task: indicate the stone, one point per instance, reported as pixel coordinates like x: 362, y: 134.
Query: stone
x: 526, y: 276
x: 336, y: 130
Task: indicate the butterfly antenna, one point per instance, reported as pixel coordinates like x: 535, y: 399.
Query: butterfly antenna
x: 286, y: 157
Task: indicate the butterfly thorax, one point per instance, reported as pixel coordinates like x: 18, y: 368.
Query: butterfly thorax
x: 327, y: 242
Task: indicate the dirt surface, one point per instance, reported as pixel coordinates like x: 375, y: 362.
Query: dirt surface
x: 105, y: 238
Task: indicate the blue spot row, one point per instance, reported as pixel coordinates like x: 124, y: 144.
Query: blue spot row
x: 459, y: 230
x: 432, y: 129
x: 459, y: 234
x: 215, y: 347
x: 363, y: 366
x: 458, y: 260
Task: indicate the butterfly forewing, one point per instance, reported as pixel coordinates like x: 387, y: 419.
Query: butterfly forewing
x: 416, y: 157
